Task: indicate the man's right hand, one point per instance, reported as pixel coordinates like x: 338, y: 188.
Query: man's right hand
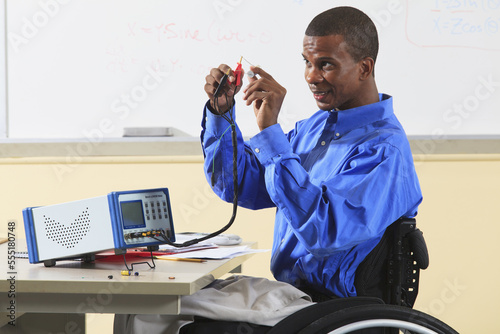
x: 226, y: 94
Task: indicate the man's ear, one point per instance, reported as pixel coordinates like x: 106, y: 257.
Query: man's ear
x: 367, y: 65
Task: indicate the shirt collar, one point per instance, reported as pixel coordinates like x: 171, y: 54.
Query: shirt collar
x: 350, y: 119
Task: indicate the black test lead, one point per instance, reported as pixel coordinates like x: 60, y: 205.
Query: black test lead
x: 221, y: 84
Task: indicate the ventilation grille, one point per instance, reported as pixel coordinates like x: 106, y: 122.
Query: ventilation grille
x: 68, y: 236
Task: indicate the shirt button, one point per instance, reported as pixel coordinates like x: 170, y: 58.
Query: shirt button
x: 337, y: 134
x: 257, y: 150
x: 323, y: 143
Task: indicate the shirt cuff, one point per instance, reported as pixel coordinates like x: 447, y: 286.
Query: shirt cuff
x: 269, y: 143
x: 215, y: 124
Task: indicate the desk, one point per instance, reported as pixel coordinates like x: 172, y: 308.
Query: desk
x: 77, y: 288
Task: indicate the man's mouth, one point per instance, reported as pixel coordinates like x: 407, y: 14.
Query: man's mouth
x: 319, y: 95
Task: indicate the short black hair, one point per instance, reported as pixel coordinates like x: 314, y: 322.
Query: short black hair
x: 357, y: 29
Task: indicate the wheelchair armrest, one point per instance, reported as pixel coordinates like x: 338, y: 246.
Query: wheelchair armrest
x: 419, y: 248
x: 408, y: 256
x: 391, y: 270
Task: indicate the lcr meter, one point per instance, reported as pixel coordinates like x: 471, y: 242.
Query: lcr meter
x: 119, y: 220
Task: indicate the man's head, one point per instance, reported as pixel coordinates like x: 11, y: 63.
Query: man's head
x: 358, y: 30
x: 340, y: 49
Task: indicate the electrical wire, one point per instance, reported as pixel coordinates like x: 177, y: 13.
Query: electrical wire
x: 135, y: 263
x: 228, y: 116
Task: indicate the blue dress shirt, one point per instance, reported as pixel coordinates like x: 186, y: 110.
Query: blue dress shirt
x: 337, y: 181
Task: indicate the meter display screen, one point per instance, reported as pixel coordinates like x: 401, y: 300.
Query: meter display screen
x: 132, y: 214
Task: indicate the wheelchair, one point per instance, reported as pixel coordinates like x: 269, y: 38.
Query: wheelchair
x: 387, y: 287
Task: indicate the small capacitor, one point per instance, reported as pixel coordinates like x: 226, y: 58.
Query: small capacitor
x: 250, y: 73
x: 126, y: 272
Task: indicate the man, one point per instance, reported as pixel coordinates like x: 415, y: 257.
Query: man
x: 339, y: 178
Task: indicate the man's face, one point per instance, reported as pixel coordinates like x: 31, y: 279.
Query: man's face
x: 332, y: 74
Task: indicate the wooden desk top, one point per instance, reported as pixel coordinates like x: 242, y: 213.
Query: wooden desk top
x: 70, y: 282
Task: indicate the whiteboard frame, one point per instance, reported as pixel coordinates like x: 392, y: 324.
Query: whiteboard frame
x: 4, y: 133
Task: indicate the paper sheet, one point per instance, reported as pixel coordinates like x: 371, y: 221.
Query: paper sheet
x: 218, y: 253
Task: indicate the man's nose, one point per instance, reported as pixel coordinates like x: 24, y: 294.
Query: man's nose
x: 313, y: 75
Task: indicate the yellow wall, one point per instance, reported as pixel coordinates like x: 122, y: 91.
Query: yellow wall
x: 461, y: 227
x: 461, y: 193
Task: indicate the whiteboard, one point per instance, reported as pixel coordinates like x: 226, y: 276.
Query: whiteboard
x: 89, y: 68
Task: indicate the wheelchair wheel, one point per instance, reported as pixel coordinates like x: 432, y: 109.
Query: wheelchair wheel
x: 361, y: 319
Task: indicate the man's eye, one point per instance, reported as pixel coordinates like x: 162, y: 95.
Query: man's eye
x: 327, y: 65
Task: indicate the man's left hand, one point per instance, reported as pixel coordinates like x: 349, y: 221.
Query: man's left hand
x: 267, y: 96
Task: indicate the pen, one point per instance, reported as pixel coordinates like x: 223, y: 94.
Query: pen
x: 180, y: 259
